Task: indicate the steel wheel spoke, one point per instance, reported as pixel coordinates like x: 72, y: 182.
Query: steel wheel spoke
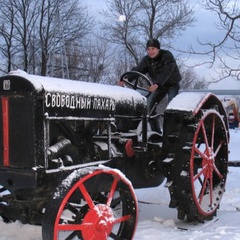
x: 200, y: 153
x: 71, y: 208
x: 197, y: 176
x: 74, y: 227
x: 114, y: 236
x: 218, y: 149
x: 122, y: 219
x: 203, y: 190
x: 71, y: 236
x: 112, y: 191
x: 86, y: 196
x: 217, y: 172
x: 213, y: 131
x: 205, y: 137
x: 211, y: 190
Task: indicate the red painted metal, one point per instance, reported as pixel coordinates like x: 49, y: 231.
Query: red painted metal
x: 129, y: 148
x: 99, y: 220
x: 207, y: 152
x: 5, y: 122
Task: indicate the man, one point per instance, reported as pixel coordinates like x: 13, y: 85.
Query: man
x: 163, y: 71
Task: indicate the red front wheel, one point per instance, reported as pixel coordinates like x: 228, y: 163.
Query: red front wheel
x: 92, y: 203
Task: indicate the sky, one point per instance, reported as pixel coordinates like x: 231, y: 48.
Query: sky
x: 203, y: 29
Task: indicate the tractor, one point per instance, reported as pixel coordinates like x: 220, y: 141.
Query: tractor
x: 73, y: 153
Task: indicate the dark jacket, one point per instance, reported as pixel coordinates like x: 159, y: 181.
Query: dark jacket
x: 162, y: 69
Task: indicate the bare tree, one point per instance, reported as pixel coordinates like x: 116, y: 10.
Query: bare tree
x: 89, y: 61
x: 17, y: 26
x: 6, y: 47
x: 190, y: 80
x: 61, y: 20
x: 27, y: 31
x: 224, y: 53
x: 143, y: 19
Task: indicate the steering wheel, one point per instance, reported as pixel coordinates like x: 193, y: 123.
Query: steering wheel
x: 140, y: 82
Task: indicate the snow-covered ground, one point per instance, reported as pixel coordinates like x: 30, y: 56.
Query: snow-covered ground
x: 157, y: 221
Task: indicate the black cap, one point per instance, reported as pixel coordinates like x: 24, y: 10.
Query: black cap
x: 153, y: 43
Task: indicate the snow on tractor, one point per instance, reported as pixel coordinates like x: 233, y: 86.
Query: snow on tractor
x: 73, y: 152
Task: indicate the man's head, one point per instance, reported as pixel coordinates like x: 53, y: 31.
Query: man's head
x: 153, y: 47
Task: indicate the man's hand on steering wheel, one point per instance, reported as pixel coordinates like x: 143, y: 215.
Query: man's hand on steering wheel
x: 135, y: 79
x: 121, y: 83
x: 153, y: 87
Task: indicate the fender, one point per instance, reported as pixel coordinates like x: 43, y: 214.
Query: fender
x: 192, y: 102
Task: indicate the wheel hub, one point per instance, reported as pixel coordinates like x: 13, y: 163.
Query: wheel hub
x: 99, y: 222
x: 208, y: 162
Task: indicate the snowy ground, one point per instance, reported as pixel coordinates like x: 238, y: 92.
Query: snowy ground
x: 157, y: 221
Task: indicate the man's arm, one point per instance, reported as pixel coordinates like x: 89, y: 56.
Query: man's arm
x: 169, y: 66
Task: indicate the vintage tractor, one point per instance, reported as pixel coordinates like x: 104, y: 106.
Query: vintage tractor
x: 73, y: 152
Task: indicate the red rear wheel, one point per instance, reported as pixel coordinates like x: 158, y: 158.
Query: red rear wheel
x: 208, y: 163
x: 196, y: 165
x: 93, y: 203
